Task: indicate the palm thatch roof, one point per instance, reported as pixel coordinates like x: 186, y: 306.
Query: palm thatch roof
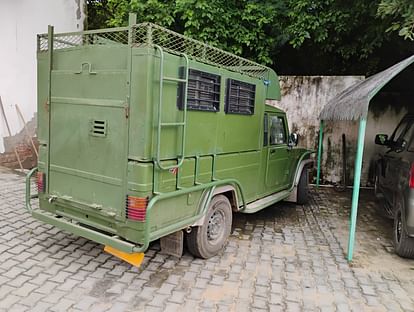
x: 353, y: 102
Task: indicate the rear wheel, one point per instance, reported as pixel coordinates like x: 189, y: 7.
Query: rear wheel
x: 207, y: 240
x: 303, y: 188
x: 403, y: 244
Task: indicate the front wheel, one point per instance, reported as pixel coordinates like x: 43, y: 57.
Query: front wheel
x: 207, y: 240
x: 303, y: 188
x: 403, y: 244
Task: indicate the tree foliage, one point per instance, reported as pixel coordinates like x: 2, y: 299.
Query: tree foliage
x: 333, y: 31
x: 402, y: 14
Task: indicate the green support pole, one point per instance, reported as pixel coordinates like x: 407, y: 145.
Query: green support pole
x: 357, y: 182
x: 318, y: 173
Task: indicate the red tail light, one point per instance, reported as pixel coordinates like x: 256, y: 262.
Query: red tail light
x: 136, y: 208
x: 412, y: 176
x: 41, y: 182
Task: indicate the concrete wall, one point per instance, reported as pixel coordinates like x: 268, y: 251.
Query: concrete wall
x: 20, y: 21
x: 303, y: 97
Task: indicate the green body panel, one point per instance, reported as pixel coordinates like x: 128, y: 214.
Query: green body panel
x: 273, y: 87
x: 76, y: 167
x: 98, y: 141
x: 221, y: 132
x: 42, y: 100
x: 244, y: 166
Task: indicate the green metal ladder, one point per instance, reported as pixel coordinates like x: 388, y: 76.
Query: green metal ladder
x: 161, y: 124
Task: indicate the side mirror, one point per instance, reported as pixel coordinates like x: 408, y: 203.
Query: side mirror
x: 293, y: 139
x: 381, y: 139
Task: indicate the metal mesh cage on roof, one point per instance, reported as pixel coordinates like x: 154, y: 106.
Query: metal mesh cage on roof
x: 75, y: 39
x: 148, y: 34
x: 151, y: 34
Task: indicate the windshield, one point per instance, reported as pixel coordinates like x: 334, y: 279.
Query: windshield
x: 402, y: 135
x: 402, y: 132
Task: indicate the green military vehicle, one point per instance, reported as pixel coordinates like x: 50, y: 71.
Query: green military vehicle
x: 146, y: 134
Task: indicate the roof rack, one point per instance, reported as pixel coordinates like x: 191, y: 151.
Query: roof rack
x: 152, y: 34
x: 149, y: 34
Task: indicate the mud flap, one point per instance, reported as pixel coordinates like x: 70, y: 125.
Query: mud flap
x: 293, y: 197
x: 173, y: 244
x: 132, y: 258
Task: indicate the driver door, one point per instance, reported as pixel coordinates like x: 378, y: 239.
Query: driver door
x: 278, y: 158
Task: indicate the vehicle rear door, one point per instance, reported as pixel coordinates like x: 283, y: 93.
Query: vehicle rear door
x: 89, y: 127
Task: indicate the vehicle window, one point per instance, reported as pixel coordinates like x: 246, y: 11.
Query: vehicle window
x: 406, y: 135
x: 203, y: 92
x: 277, y: 130
x: 409, y: 137
x: 240, y: 97
x: 400, y: 131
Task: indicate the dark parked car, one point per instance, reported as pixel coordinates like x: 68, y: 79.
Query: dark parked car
x: 394, y: 183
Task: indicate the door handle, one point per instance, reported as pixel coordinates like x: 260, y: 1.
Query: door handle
x: 272, y: 151
x: 89, y: 66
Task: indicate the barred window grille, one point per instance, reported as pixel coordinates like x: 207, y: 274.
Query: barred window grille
x: 203, y: 92
x: 240, y: 97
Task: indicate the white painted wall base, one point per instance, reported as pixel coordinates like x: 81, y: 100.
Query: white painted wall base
x: 20, y: 21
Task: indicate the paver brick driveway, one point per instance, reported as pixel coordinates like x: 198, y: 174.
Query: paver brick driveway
x: 286, y: 258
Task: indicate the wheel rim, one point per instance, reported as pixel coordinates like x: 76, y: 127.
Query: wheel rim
x: 215, y: 228
x: 398, y: 228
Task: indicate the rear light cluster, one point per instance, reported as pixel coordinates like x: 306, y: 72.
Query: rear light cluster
x: 41, y: 182
x: 412, y: 176
x: 136, y: 208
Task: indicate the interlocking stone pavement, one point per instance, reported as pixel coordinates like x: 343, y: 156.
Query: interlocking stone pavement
x: 286, y: 258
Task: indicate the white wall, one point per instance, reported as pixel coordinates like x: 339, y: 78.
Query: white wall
x: 20, y: 21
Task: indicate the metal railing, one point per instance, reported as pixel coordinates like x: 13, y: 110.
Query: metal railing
x: 182, y: 124
x: 148, y: 34
x: 110, y: 36
x: 175, y: 43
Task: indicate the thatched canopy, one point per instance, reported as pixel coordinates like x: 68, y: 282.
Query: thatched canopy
x: 353, y: 102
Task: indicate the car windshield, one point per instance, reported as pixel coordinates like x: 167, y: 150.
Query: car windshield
x: 408, y: 132
x: 403, y: 131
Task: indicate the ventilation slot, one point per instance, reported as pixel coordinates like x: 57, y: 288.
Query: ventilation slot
x: 98, y: 128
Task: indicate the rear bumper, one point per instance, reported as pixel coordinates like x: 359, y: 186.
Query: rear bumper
x: 87, y: 233
x: 76, y: 228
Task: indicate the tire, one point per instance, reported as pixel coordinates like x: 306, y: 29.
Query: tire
x: 403, y: 244
x: 303, y: 188
x: 207, y: 240
x: 384, y: 208
x: 377, y: 193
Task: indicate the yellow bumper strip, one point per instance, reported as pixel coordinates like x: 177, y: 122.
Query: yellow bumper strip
x: 132, y: 258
